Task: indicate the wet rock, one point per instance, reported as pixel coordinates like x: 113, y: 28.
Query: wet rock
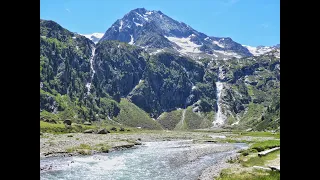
x: 137, y: 143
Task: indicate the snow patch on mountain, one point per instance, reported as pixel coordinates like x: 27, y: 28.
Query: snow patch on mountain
x: 218, y: 44
x: 186, y: 45
x: 149, y: 12
x: 94, y: 37
x: 137, y: 24
x: 131, y: 40
x: 121, y: 23
x: 226, y: 53
x: 257, y: 51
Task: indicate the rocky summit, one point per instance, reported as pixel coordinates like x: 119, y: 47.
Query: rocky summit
x: 151, y: 71
x: 156, y: 32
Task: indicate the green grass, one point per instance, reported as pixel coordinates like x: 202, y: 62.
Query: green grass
x: 181, y: 126
x: 259, y: 161
x: 53, y: 128
x: 102, y: 148
x: 261, y: 146
x: 261, y: 134
x: 255, y: 175
x: 207, y: 119
x: 169, y: 120
x: 61, y: 129
x: 246, y: 152
x: 231, y: 140
x: 132, y: 115
x: 253, y: 114
x: 192, y: 119
x: 257, y: 134
x: 83, y: 149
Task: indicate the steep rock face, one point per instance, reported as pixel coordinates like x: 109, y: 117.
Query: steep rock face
x: 64, y: 61
x: 251, y: 87
x: 65, y: 71
x: 119, y: 68
x: 154, y: 30
x: 156, y: 83
x: 167, y: 84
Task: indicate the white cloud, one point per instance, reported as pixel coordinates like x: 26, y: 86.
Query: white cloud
x: 68, y: 10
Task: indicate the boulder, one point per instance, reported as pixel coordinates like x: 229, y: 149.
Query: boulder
x: 88, y: 131
x: 50, y: 121
x: 113, y: 129
x: 67, y: 121
x: 87, y: 123
x: 102, y: 131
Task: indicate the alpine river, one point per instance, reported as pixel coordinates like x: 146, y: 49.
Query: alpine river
x: 167, y: 160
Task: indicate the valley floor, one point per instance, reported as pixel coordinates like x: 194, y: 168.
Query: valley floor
x: 72, y: 144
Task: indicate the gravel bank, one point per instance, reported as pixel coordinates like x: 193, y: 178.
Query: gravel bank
x: 57, y: 144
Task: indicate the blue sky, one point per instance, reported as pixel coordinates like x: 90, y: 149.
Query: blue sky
x: 249, y: 22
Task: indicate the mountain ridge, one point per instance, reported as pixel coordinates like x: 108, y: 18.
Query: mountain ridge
x: 129, y: 76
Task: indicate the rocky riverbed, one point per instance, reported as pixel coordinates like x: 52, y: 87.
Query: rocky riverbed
x: 193, y: 152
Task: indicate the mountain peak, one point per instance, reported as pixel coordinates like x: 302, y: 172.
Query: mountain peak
x: 142, y: 10
x: 154, y: 30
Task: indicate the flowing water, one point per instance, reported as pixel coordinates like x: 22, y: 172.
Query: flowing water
x: 219, y: 117
x: 88, y: 85
x: 167, y: 160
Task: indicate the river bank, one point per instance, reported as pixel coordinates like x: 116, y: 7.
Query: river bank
x: 195, y: 146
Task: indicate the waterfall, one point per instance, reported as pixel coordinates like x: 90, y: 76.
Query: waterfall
x: 88, y: 85
x: 219, y: 117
